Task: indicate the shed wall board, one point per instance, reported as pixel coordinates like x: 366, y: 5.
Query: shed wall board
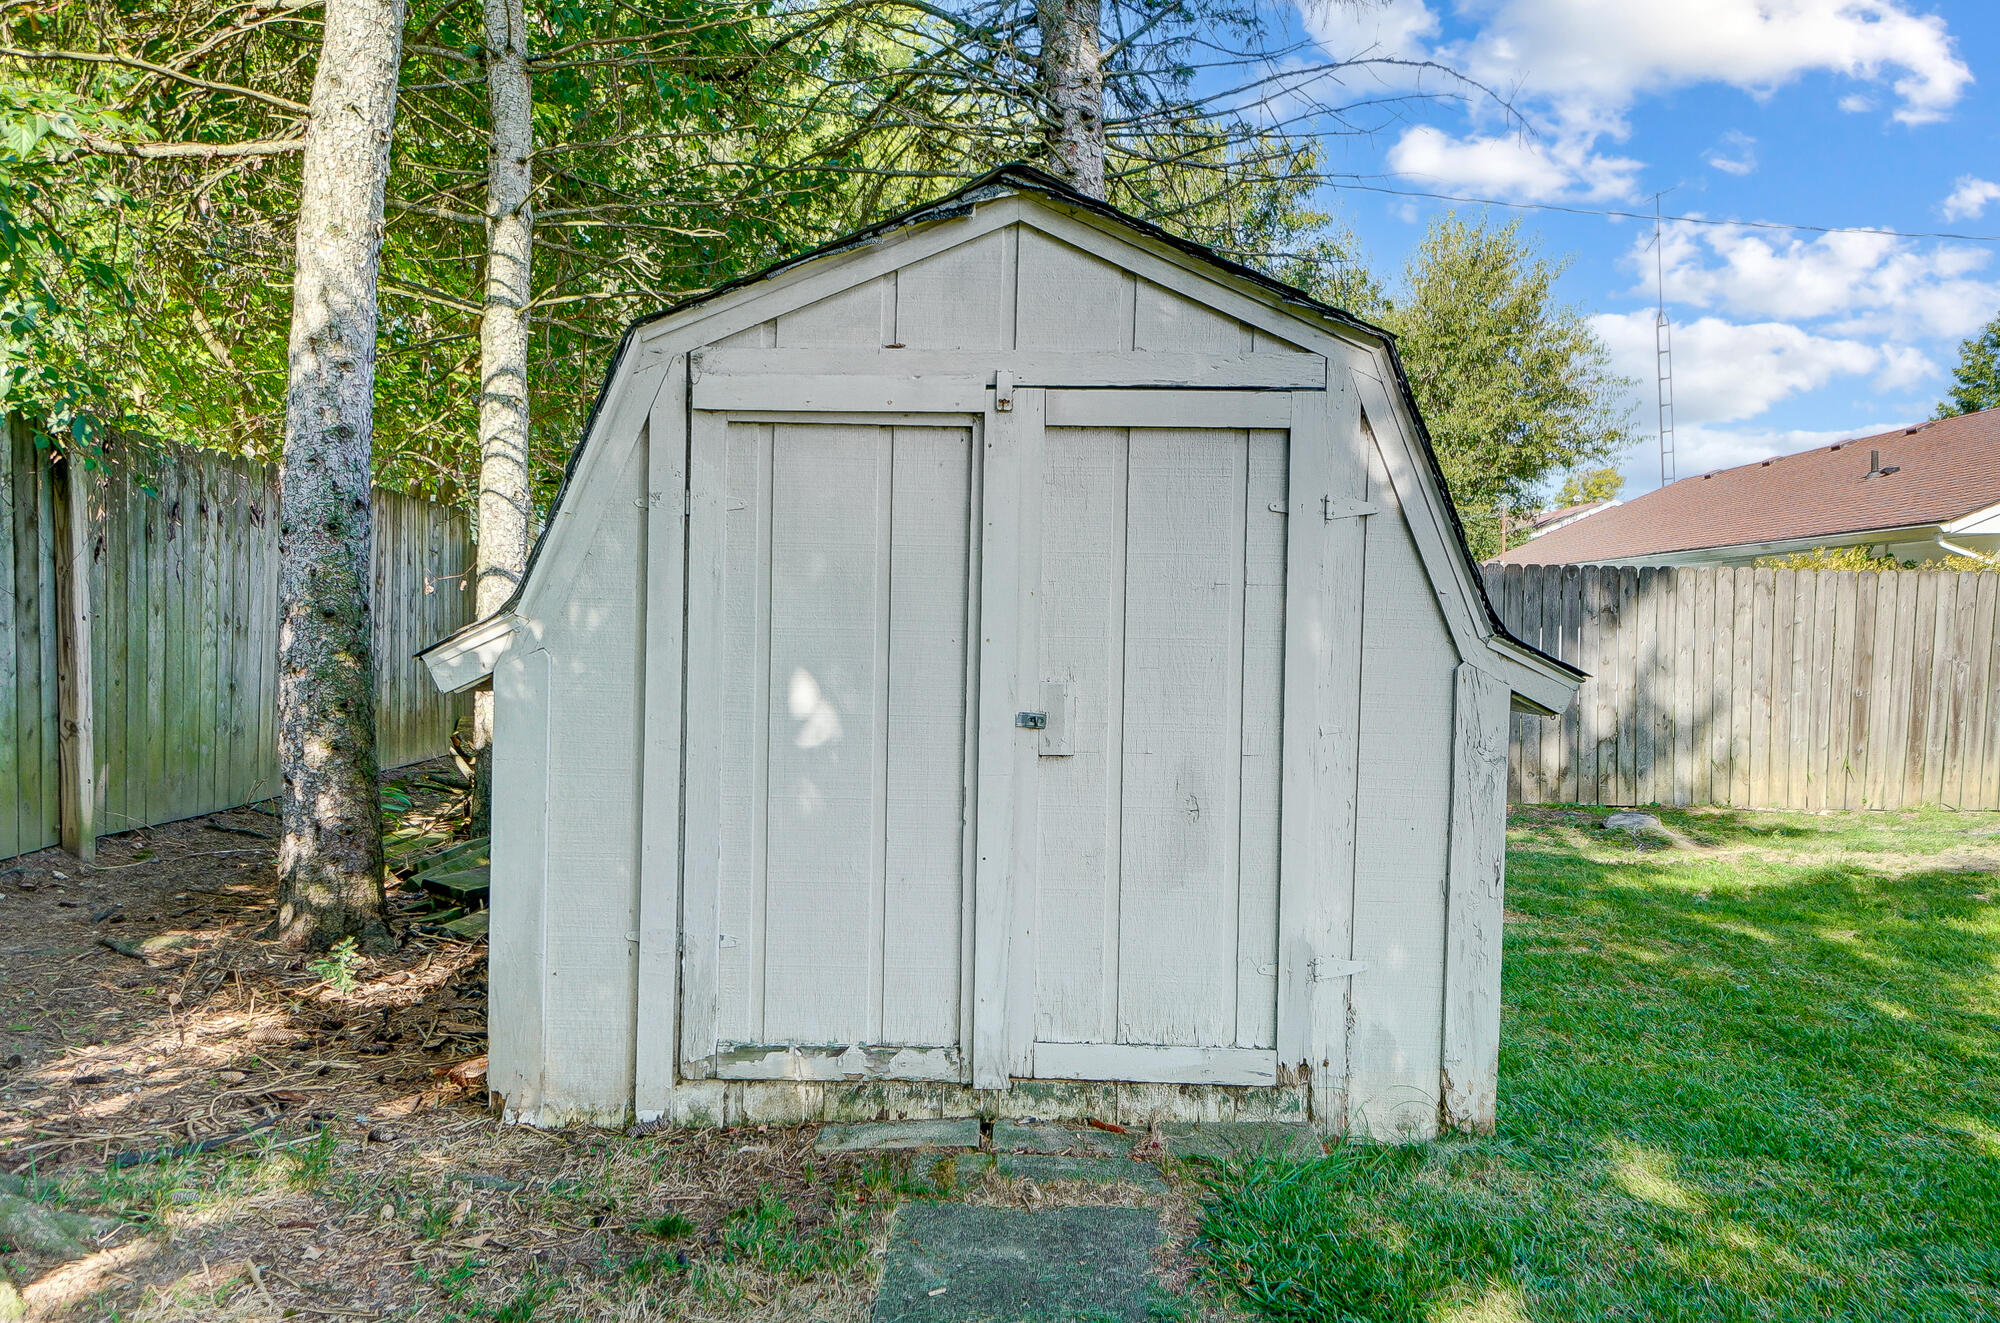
x: 656, y: 1018
x: 594, y: 645
x: 1402, y: 831
x: 519, y: 880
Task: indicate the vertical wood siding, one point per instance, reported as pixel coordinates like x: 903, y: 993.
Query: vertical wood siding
x: 183, y: 582
x: 1760, y: 688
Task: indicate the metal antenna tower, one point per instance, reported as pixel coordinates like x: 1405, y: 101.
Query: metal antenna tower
x: 1663, y: 350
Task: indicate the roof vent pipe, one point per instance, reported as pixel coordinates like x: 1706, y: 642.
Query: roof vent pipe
x: 1875, y: 469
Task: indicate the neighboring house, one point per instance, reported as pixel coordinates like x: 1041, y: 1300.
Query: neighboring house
x: 1548, y: 521
x: 1917, y: 493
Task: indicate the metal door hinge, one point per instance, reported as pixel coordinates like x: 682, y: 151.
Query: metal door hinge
x: 1323, y: 968
x: 1032, y: 720
x: 1331, y: 509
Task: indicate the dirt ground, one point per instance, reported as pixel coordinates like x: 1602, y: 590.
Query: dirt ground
x: 281, y: 1137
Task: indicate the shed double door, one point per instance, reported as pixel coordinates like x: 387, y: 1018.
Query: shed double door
x: 985, y: 734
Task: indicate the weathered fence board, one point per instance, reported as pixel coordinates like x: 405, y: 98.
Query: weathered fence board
x: 28, y: 813
x: 183, y: 580
x: 1761, y: 688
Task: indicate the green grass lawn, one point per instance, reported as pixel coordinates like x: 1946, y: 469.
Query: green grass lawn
x: 1752, y: 1077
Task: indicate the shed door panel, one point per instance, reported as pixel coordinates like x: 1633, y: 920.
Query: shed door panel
x: 841, y: 703
x: 1161, y: 647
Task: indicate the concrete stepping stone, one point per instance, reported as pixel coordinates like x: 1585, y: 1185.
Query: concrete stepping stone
x: 1045, y: 1167
x: 1043, y: 1137
x: 954, y: 1263
x: 874, y: 1135
x: 1223, y: 1141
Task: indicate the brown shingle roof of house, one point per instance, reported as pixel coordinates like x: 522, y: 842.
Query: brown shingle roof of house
x: 1945, y: 469
x: 1578, y: 510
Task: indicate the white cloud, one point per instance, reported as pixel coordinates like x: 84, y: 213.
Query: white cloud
x: 1727, y: 371
x: 1968, y: 200
x: 1573, y: 69
x: 1856, y: 104
x: 1860, y: 282
x: 1391, y: 28
x: 1904, y: 366
x: 1514, y: 165
x: 1593, y: 58
x: 1735, y: 155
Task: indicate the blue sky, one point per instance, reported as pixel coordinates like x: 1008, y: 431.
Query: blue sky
x: 1882, y: 114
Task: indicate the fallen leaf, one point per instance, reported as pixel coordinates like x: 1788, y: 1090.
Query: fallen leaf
x: 467, y: 1073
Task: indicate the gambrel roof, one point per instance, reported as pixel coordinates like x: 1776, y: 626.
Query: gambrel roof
x: 1543, y: 681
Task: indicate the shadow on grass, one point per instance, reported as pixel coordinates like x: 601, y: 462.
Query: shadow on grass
x: 1730, y: 1089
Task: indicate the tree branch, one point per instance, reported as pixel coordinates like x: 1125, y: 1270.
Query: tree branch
x: 180, y: 151
x: 158, y: 70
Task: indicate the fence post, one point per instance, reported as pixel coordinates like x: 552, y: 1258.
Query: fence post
x: 76, y: 734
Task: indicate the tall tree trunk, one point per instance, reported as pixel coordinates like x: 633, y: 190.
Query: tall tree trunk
x: 504, y: 502
x: 1073, y: 87
x: 330, y: 858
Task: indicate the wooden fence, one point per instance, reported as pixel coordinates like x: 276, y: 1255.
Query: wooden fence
x: 181, y: 618
x: 1761, y: 688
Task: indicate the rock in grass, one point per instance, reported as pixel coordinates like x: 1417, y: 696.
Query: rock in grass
x: 1636, y: 824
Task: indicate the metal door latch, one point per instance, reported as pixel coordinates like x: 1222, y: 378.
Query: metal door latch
x: 1032, y: 720
x: 1003, y: 391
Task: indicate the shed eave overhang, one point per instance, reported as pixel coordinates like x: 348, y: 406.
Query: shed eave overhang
x: 463, y: 660
x: 1540, y: 683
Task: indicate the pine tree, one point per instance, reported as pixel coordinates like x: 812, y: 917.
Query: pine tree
x: 330, y: 857
x: 1975, y: 382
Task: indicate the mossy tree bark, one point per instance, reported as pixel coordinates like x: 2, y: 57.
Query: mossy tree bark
x: 1072, y: 78
x: 330, y: 857
x: 505, y: 505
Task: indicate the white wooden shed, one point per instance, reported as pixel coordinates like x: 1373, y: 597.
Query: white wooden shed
x: 1010, y: 661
